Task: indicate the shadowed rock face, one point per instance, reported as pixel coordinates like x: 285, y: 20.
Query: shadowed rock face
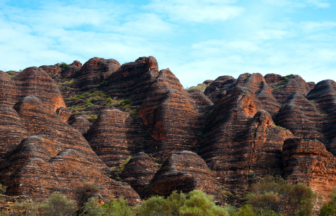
x: 110, y: 137
x: 55, y: 157
x: 202, y: 102
x: 139, y: 171
x: 309, y: 162
x: 93, y: 72
x: 269, y: 103
x: 12, y: 131
x: 32, y: 81
x: 184, y: 171
x: 80, y: 123
x: 300, y: 116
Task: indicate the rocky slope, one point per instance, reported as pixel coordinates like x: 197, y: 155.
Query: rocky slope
x: 133, y: 130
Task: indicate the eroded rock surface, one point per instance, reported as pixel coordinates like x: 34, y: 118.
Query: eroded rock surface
x: 184, y: 171
x: 307, y: 161
x: 139, y: 171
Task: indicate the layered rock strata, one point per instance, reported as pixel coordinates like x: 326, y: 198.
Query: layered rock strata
x: 80, y: 123
x: 94, y: 72
x: 139, y: 171
x: 31, y: 81
x: 307, y: 161
x: 184, y: 171
x: 56, y: 157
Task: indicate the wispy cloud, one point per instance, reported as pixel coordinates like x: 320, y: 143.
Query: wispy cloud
x: 300, y: 3
x: 196, y: 10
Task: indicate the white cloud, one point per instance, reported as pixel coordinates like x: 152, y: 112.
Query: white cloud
x: 317, y: 26
x: 196, y: 10
x: 267, y: 34
x: 300, y: 3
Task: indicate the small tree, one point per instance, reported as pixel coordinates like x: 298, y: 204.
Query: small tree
x: 118, y: 208
x: 59, y: 205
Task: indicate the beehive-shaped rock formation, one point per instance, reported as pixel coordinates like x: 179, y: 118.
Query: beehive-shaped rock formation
x: 133, y: 80
x: 72, y: 70
x: 184, y: 171
x: 40, y: 166
x: 52, y: 70
x: 12, y: 131
x: 31, y: 81
x: 80, y: 123
x: 170, y: 115
x: 110, y: 137
x: 238, y: 140
x: 93, y: 72
x: 307, y: 161
x: 300, y: 116
x: 139, y: 171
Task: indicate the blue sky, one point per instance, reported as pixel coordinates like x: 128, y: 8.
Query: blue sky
x: 196, y: 39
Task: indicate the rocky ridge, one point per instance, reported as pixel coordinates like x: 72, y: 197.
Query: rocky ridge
x: 133, y: 130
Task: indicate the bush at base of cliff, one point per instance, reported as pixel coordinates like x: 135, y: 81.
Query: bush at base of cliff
x: 275, y: 195
x: 56, y: 205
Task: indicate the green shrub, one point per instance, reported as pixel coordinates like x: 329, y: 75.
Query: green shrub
x: 125, y: 102
x: 199, y: 204
x: 11, y: 73
x: 64, y: 65
x: 119, y: 207
x: 83, y: 96
x: 92, y: 118
x: 2, y: 189
x: 59, y: 205
x: 92, y: 209
x: 88, y: 103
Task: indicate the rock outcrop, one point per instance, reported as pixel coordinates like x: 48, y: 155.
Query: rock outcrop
x: 12, y: 131
x: 109, y: 137
x: 32, y: 81
x: 184, y: 171
x: 139, y: 171
x: 80, y: 123
x: 239, y: 139
x: 170, y: 116
x: 52, y: 70
x: 56, y: 157
x: 72, y: 70
x: 94, y: 72
x: 307, y: 161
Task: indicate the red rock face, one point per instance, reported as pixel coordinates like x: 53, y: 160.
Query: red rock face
x: 309, y: 162
x: 254, y: 82
x: 35, y: 82
x: 269, y: 103
x: 110, y: 137
x: 93, y: 72
x: 301, y: 116
x: 132, y: 80
x: 40, y: 166
x: 12, y: 131
x: 64, y: 113
x: 72, y: 70
x: 52, y: 70
x: 184, y: 171
x: 55, y: 157
x: 80, y: 123
x: 273, y: 78
x: 294, y: 84
x: 202, y: 102
x: 139, y: 171
x: 170, y: 116
x: 217, y: 84
x: 239, y: 140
